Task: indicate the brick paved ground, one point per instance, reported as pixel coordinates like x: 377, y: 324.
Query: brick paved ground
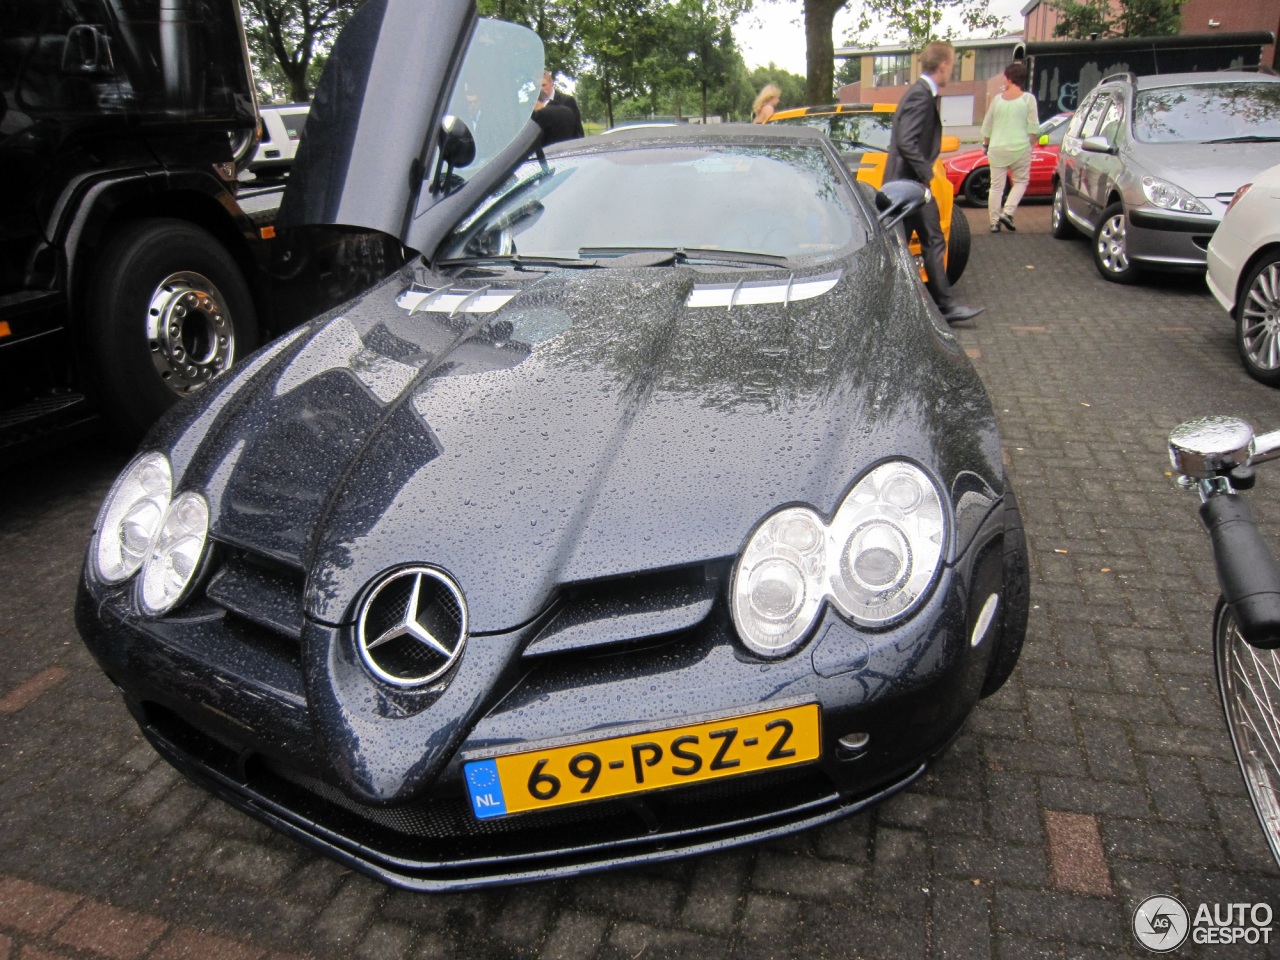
x: 1100, y: 775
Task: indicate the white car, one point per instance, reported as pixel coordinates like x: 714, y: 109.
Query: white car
x: 1244, y: 273
x: 279, y: 130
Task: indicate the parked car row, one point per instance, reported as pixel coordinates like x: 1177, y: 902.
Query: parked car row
x: 1179, y: 172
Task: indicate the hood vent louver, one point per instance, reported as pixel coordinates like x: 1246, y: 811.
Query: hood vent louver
x: 627, y: 610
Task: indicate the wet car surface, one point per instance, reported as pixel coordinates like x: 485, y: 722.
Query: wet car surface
x: 625, y: 523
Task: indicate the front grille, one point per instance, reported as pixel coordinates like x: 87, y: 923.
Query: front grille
x: 260, y: 591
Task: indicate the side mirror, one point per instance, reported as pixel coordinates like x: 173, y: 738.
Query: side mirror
x: 1044, y: 140
x: 457, y: 149
x: 457, y: 145
x: 1097, y: 145
x: 899, y: 198
x: 950, y: 144
x: 87, y: 52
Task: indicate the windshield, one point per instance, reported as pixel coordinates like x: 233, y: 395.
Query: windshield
x: 1210, y: 111
x: 776, y: 201
x: 865, y: 131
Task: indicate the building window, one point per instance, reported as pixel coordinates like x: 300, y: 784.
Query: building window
x: 991, y: 62
x: 892, y: 69
x: 955, y: 65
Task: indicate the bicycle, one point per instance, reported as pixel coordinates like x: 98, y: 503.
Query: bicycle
x: 1215, y: 456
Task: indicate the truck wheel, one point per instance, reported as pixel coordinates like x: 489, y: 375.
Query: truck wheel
x: 168, y: 310
x: 957, y: 245
x: 1016, y: 596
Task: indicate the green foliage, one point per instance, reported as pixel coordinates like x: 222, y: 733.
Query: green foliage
x: 1081, y: 19
x: 288, y: 40
x: 916, y: 22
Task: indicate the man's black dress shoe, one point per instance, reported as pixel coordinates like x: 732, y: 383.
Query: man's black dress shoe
x: 959, y: 314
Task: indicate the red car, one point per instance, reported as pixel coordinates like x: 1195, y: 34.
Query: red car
x: 970, y: 175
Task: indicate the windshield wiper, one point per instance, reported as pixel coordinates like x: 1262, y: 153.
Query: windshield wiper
x: 682, y: 255
x: 1247, y: 138
x: 518, y: 261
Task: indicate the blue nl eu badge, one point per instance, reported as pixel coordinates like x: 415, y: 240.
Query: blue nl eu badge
x: 485, y: 789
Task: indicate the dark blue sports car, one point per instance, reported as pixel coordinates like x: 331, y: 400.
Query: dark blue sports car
x: 651, y: 509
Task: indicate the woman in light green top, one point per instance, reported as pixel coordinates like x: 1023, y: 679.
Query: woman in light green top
x: 1010, y: 129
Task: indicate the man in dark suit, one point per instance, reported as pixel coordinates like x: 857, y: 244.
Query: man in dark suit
x: 914, y: 143
x: 557, y: 122
x: 561, y: 99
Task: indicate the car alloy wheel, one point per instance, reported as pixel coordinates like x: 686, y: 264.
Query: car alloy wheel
x: 1111, y: 246
x: 1059, y: 225
x: 1258, y: 323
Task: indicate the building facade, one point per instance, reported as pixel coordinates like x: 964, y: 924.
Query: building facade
x: 1198, y: 17
x: 887, y: 71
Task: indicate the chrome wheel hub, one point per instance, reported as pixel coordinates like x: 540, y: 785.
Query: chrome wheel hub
x: 1260, y: 318
x: 1056, y: 214
x: 189, y: 333
x: 1111, y: 245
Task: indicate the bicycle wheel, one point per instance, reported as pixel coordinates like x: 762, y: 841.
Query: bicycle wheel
x: 1249, y: 682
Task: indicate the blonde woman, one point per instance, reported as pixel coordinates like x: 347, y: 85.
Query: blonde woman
x: 765, y: 104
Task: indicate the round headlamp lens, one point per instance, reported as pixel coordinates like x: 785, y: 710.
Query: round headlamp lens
x: 777, y: 587
x: 776, y: 591
x: 890, y: 530
x: 130, y: 517
x: 175, y: 556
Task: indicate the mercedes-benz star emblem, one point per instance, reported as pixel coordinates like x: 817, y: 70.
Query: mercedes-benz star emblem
x: 412, y: 626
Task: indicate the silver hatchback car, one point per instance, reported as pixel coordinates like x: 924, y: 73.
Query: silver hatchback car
x: 1149, y: 164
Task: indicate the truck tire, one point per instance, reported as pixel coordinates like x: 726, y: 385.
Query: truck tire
x: 168, y: 310
x: 957, y: 245
x: 1017, y: 596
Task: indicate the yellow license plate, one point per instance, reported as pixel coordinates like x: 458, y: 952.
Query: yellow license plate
x: 595, y: 769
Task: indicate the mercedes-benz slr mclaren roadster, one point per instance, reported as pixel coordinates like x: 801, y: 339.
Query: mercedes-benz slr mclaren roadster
x: 652, y: 509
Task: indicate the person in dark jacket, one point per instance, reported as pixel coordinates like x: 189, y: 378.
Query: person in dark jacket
x: 914, y: 143
x: 551, y: 95
x: 557, y: 122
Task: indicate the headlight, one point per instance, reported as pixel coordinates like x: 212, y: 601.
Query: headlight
x: 1165, y: 195
x: 175, y: 554
x: 874, y: 561
x: 130, y: 517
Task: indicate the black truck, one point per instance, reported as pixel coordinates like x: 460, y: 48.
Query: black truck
x: 134, y: 264
x: 1064, y: 71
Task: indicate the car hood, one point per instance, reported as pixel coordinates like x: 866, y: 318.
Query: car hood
x: 525, y: 430
x: 1206, y: 169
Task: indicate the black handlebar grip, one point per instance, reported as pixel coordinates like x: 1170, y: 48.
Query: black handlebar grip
x: 1247, y: 571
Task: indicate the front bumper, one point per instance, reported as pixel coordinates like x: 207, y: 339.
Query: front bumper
x: 1160, y: 240
x: 231, y: 711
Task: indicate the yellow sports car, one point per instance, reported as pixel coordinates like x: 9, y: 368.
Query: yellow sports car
x: 860, y: 132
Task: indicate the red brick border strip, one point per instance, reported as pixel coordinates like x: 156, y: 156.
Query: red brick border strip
x: 1076, y: 860
x: 55, y: 919
x: 32, y: 690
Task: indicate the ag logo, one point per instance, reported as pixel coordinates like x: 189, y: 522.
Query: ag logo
x: 1161, y: 923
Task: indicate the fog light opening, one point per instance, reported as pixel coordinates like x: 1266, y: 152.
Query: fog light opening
x: 853, y: 745
x: 985, y: 617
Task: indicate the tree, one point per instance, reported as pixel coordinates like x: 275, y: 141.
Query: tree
x: 290, y: 36
x: 1082, y: 19
x: 694, y: 43
x: 554, y: 21
x: 819, y: 57
x: 916, y: 22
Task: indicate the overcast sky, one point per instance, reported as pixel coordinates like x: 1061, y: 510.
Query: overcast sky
x: 775, y: 30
